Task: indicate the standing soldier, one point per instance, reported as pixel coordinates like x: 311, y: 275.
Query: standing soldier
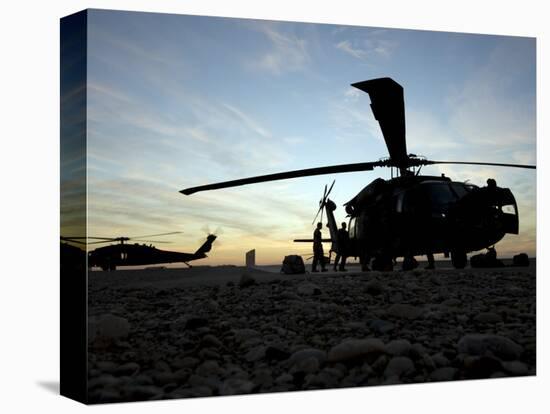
x: 341, y: 254
x: 318, y: 254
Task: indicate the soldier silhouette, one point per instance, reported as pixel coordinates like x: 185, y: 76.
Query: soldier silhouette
x: 431, y: 260
x: 318, y: 254
x: 341, y: 254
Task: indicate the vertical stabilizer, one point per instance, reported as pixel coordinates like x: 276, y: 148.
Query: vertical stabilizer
x: 207, y: 246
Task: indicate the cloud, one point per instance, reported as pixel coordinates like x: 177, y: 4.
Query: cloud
x: 369, y: 48
x: 352, y: 118
x: 353, y: 93
x: 483, y: 110
x: 428, y: 135
x: 248, y: 121
x: 346, y: 46
x: 230, y: 138
x: 266, y: 216
x: 288, y: 52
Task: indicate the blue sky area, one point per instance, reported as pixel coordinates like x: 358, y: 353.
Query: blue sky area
x: 176, y: 101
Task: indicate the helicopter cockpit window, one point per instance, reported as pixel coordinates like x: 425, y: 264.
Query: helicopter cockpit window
x: 509, y: 209
x: 460, y: 190
x: 440, y: 196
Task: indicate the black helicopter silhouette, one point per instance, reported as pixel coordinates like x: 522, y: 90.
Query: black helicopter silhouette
x: 123, y: 254
x: 409, y: 214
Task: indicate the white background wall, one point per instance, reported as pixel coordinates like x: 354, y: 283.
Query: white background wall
x: 29, y: 194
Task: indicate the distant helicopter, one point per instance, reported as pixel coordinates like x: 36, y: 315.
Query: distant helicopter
x: 123, y: 254
x: 409, y: 214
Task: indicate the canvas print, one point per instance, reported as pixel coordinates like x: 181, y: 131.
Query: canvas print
x: 258, y: 206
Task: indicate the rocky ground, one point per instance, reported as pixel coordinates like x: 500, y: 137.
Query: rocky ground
x: 254, y: 334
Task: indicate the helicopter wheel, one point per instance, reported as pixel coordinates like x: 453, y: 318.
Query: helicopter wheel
x: 382, y: 263
x: 364, y: 260
x: 409, y: 263
x: 459, y: 259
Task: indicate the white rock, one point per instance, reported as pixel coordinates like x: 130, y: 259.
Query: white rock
x: 108, y: 327
x: 255, y: 354
x: 234, y: 386
x: 308, y: 289
x: 355, y: 348
x: 398, y: 347
x: 515, y: 367
x: 404, y: 311
x: 284, y: 379
x: 209, y: 368
x: 302, y: 354
x: 479, y: 344
x: 309, y: 365
x: 242, y: 335
x: 487, y: 317
x: 398, y: 366
x: 443, y: 374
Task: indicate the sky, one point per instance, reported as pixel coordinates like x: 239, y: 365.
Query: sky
x: 176, y: 101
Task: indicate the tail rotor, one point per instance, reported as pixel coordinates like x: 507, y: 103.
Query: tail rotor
x: 323, y: 201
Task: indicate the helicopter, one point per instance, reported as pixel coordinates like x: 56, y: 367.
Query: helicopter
x: 124, y: 254
x: 409, y: 214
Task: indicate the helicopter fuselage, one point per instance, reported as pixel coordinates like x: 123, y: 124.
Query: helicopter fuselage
x: 417, y: 215
x: 109, y: 257
x: 123, y: 254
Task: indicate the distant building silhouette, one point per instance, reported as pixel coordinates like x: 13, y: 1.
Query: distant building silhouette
x: 250, y: 258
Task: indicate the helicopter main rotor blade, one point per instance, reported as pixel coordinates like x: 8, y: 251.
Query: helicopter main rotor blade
x: 88, y: 238
x: 494, y: 164
x: 333, y: 169
x: 104, y: 241
x: 70, y: 240
x: 155, y: 235
x: 151, y: 241
x: 388, y: 107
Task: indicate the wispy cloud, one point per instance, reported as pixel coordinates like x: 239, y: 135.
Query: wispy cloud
x: 368, y: 48
x: 346, y: 46
x: 352, y: 117
x: 482, y: 109
x: 248, y: 121
x: 288, y: 52
x: 118, y: 206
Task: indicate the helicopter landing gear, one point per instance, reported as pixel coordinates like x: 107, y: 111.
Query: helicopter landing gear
x: 459, y: 259
x: 364, y: 259
x: 409, y: 263
x: 382, y: 263
x: 111, y: 267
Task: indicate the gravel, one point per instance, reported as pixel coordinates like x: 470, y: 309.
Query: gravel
x: 153, y: 340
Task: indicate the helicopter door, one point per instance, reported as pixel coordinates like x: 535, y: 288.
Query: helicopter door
x: 506, y: 203
x: 437, y: 197
x: 351, y: 227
